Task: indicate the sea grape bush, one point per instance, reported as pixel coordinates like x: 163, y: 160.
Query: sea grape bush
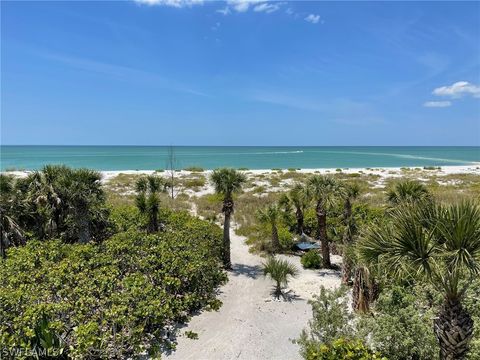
x: 115, y: 299
x: 341, y: 349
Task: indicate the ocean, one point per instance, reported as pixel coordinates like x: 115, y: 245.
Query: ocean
x: 251, y: 157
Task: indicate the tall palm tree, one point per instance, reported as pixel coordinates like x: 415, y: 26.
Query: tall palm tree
x: 279, y: 270
x: 351, y: 192
x: 408, y: 191
x: 270, y: 216
x: 437, y: 244
x: 226, y: 183
x: 324, y: 190
x: 148, y: 200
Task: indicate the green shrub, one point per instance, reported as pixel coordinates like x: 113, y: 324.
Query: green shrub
x: 340, y: 349
x: 116, y: 299
x: 401, y: 327
x: 311, y: 260
x: 285, y: 238
x: 331, y: 319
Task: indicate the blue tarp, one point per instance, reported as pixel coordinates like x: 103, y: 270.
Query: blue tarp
x: 307, y: 246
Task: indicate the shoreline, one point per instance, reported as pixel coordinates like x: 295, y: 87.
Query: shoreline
x: 381, y: 171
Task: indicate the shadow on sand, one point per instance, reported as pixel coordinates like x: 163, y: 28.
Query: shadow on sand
x: 251, y: 271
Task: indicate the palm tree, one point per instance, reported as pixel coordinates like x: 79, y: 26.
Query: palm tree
x: 437, y: 244
x: 324, y: 190
x: 226, y: 183
x: 298, y: 196
x: 148, y: 200
x: 83, y: 193
x: 351, y: 192
x: 279, y: 270
x: 45, y: 193
x: 270, y: 216
x: 10, y: 231
x: 408, y: 191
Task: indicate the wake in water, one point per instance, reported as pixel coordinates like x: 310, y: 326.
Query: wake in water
x: 403, y: 156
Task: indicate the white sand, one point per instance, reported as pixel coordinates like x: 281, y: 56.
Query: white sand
x: 250, y: 324
x: 384, y: 172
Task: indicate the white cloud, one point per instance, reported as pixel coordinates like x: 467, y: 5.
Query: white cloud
x: 172, y: 3
x: 437, y: 104
x: 458, y: 89
x: 243, y: 5
x: 266, y: 7
x: 224, y: 11
x: 314, y: 19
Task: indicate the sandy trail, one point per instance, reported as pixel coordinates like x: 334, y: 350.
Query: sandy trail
x: 250, y: 325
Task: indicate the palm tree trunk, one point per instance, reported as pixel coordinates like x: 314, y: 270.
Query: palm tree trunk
x: 347, y: 240
x: 322, y: 234
x: 3, y: 253
x: 275, y: 241
x: 454, y: 329
x: 227, y: 262
x: 361, y: 291
x: 299, y: 215
x: 346, y: 269
x: 83, y: 225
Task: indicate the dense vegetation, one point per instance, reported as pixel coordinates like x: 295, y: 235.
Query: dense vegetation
x: 95, y: 274
x: 118, y: 296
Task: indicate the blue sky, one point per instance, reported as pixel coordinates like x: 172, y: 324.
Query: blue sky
x: 240, y: 73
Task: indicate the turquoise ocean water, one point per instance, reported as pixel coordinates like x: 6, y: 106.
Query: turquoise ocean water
x: 252, y: 157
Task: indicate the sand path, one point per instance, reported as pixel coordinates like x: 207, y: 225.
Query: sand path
x: 250, y: 325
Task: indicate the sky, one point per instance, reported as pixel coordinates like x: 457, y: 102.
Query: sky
x: 191, y: 72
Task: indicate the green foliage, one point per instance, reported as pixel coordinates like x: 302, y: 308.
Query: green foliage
x: 285, y: 237
x: 115, y: 299
x: 148, y: 199
x: 57, y: 202
x: 311, y: 260
x: 471, y: 304
x: 227, y: 181
x: 195, y: 182
x: 279, y: 270
x: 401, y: 326
x: 340, y: 349
x: 191, y: 335
x: 408, y: 191
x: 194, y: 169
x: 331, y: 319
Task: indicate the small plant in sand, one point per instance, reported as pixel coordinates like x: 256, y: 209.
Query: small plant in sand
x: 279, y: 271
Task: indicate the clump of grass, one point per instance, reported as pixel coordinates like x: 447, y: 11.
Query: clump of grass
x: 191, y: 335
x: 194, y: 169
x: 431, y: 168
x: 195, y: 182
x: 243, y: 169
x: 259, y: 189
